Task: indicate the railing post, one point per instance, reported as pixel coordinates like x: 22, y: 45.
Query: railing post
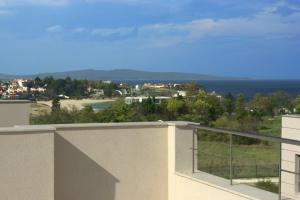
x: 230, y: 161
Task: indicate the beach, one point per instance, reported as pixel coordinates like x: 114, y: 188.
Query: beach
x: 78, y: 104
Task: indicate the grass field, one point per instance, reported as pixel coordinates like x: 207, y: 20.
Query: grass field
x: 271, y: 126
x: 249, y: 161
x: 160, y: 92
x: 257, y: 160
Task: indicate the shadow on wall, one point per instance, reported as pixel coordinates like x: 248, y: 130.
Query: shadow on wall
x: 78, y: 177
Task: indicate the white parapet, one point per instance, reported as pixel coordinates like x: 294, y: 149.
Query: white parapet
x: 113, y: 161
x: 290, y: 154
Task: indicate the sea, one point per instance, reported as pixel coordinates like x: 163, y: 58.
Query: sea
x: 248, y: 87
x: 101, y: 106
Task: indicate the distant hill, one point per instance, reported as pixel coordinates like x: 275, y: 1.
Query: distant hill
x: 8, y: 77
x: 124, y: 74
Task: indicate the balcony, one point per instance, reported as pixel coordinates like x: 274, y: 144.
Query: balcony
x: 152, y: 161
x: 146, y: 160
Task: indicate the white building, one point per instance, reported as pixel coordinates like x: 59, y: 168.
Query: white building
x: 140, y: 99
x: 180, y: 93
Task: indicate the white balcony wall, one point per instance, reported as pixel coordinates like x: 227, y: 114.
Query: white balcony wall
x: 111, y: 162
x: 116, y: 161
x: 290, y: 130
x: 26, y: 164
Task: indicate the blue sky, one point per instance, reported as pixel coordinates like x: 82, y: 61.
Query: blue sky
x: 251, y: 38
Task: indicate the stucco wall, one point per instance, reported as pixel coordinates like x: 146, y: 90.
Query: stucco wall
x: 26, y: 164
x: 117, y: 161
x: 111, y: 163
x: 290, y: 130
x: 14, y: 113
x: 86, y: 161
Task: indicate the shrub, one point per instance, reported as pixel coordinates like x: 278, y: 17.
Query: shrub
x: 267, y: 185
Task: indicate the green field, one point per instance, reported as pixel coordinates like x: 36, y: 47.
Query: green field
x: 160, y: 92
x: 249, y: 161
x: 271, y: 126
x: 250, y: 158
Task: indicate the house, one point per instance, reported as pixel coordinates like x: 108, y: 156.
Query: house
x: 180, y: 93
x: 155, y: 86
x: 97, y: 93
x: 140, y: 99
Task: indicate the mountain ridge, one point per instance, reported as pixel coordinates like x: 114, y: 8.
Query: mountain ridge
x: 124, y: 74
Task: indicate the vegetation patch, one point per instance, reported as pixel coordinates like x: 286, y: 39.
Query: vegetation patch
x: 267, y: 185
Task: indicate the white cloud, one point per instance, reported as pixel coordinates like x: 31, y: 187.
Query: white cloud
x: 107, y: 32
x: 54, y: 29
x: 265, y: 24
x: 281, y: 4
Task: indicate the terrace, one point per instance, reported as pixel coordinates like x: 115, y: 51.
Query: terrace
x: 148, y: 160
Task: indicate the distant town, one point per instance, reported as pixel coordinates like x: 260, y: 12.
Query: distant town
x: 48, y: 88
x: 12, y: 89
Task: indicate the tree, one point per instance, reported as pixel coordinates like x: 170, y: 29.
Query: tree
x: 87, y: 115
x: 240, y: 109
x: 215, y: 107
x: 229, y: 103
x: 204, y: 108
x: 192, y: 88
x: 261, y: 106
x: 298, y: 105
x: 37, y: 82
x: 280, y: 102
x: 256, y: 105
x: 149, y: 106
x: 175, y: 107
x: 118, y: 112
x: 55, y: 105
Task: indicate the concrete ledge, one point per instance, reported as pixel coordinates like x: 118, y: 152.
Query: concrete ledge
x: 125, y: 125
x: 182, y: 124
x: 26, y: 130
x: 14, y: 101
x: 121, y: 125
x: 241, y: 190
x: 292, y: 116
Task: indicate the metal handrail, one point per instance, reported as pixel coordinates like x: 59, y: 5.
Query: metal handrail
x: 279, y: 140
x: 290, y: 172
x: 247, y: 134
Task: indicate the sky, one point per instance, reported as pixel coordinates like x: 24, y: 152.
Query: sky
x: 253, y: 38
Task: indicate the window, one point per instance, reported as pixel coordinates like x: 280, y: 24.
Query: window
x: 297, y: 173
